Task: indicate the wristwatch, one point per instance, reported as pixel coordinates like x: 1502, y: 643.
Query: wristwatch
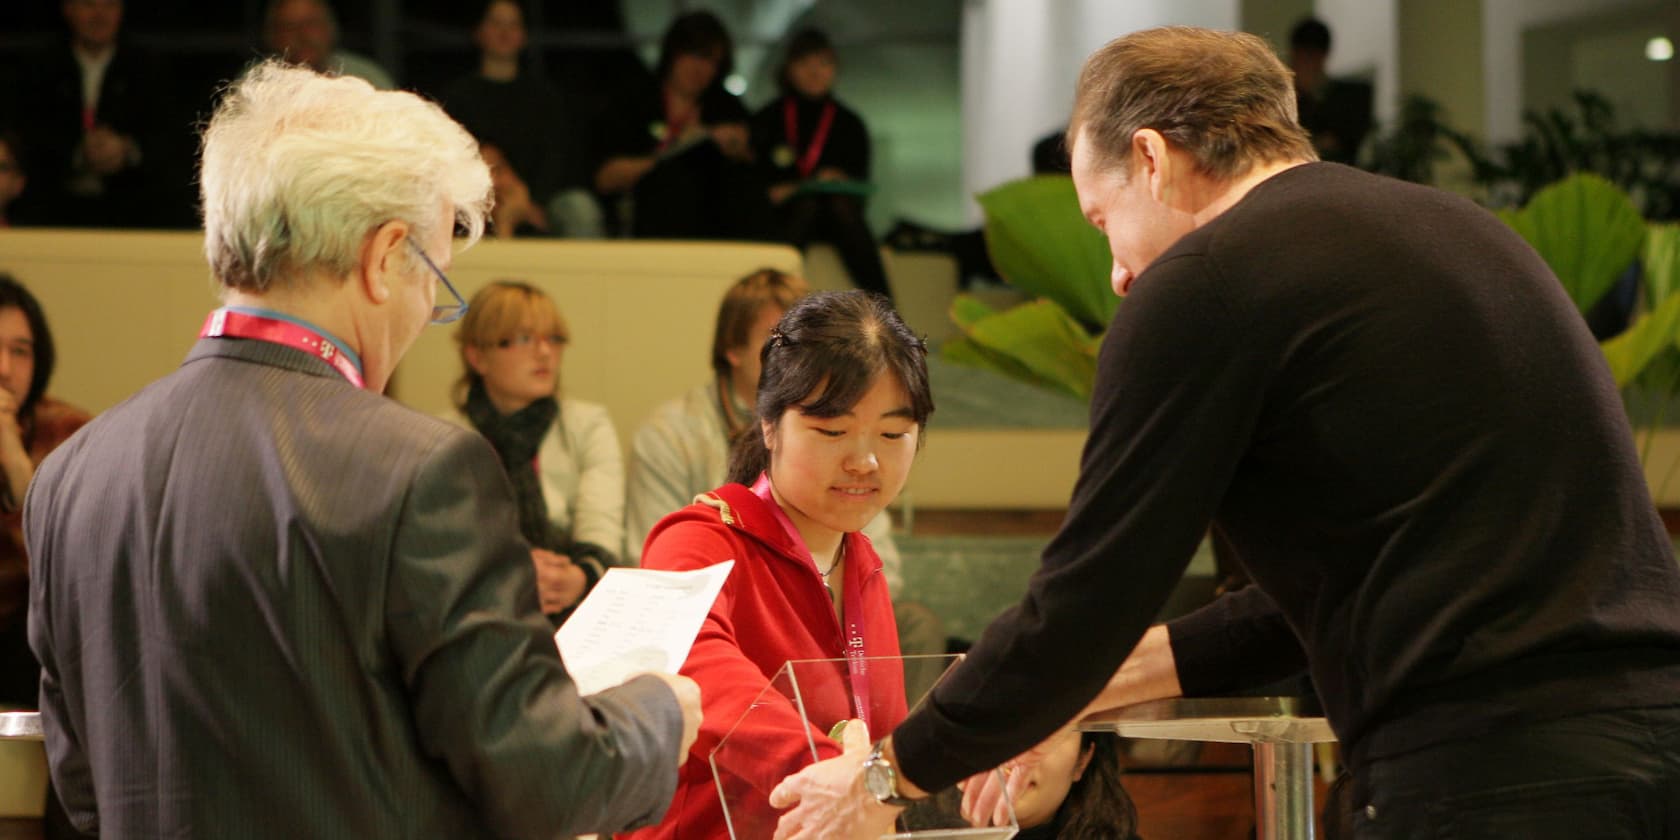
x: 881, y: 780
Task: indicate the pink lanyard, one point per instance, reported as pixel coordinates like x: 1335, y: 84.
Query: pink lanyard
x: 851, y: 594
x: 226, y: 323
x: 790, y: 125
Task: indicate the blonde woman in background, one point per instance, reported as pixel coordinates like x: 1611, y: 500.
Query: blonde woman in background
x: 561, y: 456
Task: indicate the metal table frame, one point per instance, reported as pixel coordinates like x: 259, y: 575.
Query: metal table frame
x: 1281, y: 730
x: 20, y: 726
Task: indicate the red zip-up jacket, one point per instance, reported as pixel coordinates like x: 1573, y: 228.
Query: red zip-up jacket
x: 773, y: 608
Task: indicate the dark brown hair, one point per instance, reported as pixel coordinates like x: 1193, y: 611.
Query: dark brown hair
x: 696, y: 33
x: 13, y: 293
x: 808, y: 41
x: 823, y: 356
x: 1224, y: 97
x: 740, y: 308
x: 1097, y: 807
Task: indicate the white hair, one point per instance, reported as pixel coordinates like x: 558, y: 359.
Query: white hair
x: 299, y: 167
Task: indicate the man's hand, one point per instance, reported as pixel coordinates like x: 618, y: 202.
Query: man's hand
x: 688, y: 698
x: 829, y: 799
x: 560, y: 582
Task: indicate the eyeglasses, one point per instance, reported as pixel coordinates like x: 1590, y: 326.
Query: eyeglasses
x: 444, y: 313
x: 524, y: 340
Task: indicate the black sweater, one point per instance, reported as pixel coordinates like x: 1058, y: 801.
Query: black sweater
x: 1385, y: 400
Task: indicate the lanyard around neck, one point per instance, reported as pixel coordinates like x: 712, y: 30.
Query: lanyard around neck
x: 807, y: 162
x: 856, y: 651
x: 230, y: 323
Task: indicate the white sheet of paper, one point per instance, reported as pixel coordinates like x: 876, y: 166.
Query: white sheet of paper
x: 637, y: 620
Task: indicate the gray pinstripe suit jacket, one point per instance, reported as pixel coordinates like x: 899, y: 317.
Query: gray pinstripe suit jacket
x: 269, y: 604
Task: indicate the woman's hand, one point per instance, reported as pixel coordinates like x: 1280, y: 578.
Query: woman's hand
x: 782, y: 192
x: 560, y: 582
x: 15, y: 462
x: 732, y: 139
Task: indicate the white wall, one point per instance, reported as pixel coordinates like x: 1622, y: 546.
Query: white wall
x: 1020, y: 59
x: 1503, y: 22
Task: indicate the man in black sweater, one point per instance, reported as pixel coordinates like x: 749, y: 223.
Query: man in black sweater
x: 1386, y: 402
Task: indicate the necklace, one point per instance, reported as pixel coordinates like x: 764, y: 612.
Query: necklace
x: 838, y: 556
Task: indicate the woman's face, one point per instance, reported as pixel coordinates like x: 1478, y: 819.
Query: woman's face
x: 692, y: 72
x: 1061, y: 764
x: 522, y: 368
x: 835, y: 474
x: 17, y: 353
x: 501, y: 34
x: 812, y: 76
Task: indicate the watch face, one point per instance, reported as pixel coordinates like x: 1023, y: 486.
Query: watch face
x: 878, y: 779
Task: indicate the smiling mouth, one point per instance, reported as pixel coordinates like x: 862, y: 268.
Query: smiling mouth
x: 855, y: 491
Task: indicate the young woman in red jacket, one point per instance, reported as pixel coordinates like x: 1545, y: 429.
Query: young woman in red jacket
x: 842, y: 402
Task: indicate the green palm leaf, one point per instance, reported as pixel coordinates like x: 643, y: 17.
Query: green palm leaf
x: 1661, y: 262
x: 1586, y: 229
x: 1035, y: 342
x: 1040, y: 242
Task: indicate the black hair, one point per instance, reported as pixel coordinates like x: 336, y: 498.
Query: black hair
x: 821, y: 358
x: 1310, y: 34
x: 696, y: 33
x: 808, y: 41
x: 1097, y: 807
x: 13, y: 293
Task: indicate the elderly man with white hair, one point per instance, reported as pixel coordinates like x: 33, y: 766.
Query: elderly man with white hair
x: 271, y: 602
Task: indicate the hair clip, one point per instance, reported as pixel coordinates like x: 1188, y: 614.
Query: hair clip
x: 777, y: 339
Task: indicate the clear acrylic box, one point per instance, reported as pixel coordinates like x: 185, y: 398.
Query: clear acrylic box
x: 788, y: 727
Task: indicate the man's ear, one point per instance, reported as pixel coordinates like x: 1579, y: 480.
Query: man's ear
x: 383, y: 260
x: 1149, y: 150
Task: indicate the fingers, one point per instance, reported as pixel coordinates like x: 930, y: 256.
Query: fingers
x: 786, y: 794
x: 980, y: 797
x: 1016, y: 785
x: 856, y: 737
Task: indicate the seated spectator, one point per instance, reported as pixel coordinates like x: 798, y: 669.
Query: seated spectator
x: 844, y: 396
x: 1068, y: 789
x: 561, y: 457
x: 306, y: 32
x: 12, y: 177
x: 31, y: 425
x: 815, y: 154
x: 105, y: 150
x: 514, y: 213
x: 1336, y: 112
x: 681, y: 150
x: 529, y: 120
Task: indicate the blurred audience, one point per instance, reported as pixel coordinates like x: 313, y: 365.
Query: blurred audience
x: 680, y: 150
x: 515, y: 213
x: 306, y: 32
x: 815, y: 154
x: 537, y: 129
x: 562, y: 457
x: 12, y: 177
x: 31, y: 425
x: 99, y: 117
x: 1336, y: 112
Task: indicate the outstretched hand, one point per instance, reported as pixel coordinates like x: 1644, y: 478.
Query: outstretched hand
x: 828, y: 798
